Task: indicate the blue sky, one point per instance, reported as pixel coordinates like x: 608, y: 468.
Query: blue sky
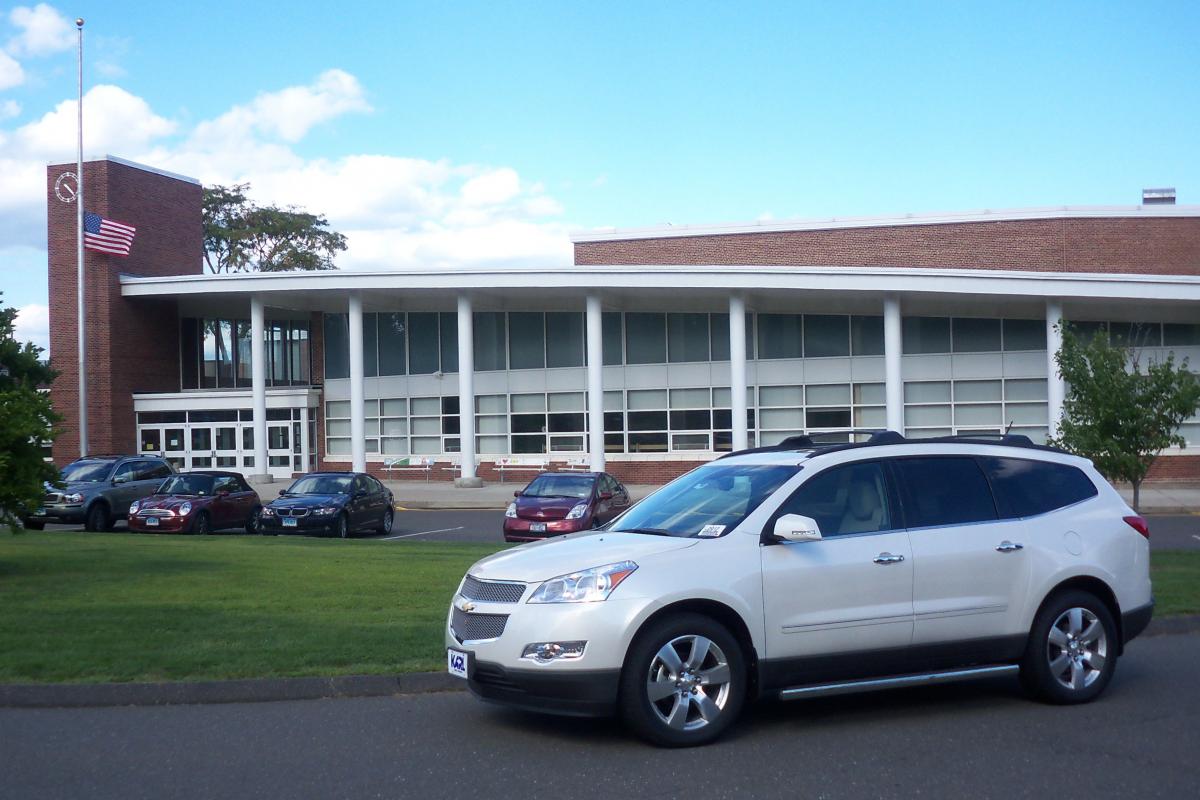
x: 450, y: 133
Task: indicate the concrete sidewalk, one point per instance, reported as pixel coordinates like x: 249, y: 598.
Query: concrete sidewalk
x: 417, y: 494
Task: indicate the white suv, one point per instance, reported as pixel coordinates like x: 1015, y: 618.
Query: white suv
x: 796, y: 572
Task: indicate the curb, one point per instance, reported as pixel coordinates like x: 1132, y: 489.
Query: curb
x: 450, y: 505
x: 263, y: 690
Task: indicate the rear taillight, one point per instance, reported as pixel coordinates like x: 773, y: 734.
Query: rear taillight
x: 1139, y: 524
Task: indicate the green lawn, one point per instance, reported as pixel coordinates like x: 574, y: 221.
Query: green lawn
x: 125, y: 607
x: 120, y: 607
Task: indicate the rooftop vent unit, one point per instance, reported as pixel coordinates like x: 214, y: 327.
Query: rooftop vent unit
x: 1158, y: 197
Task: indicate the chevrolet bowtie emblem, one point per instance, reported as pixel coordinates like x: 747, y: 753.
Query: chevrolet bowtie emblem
x: 465, y: 606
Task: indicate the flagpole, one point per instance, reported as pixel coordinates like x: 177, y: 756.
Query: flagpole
x: 83, y: 415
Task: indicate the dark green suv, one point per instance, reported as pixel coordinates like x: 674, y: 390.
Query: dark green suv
x: 97, y: 490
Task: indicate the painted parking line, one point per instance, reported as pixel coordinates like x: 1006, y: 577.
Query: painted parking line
x: 422, y: 533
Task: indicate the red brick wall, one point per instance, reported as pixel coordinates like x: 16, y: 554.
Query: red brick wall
x: 133, y: 346
x: 1169, y: 246
x: 1175, y: 469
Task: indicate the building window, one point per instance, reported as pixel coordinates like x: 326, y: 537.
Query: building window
x: 972, y: 335
x: 945, y: 408
x: 826, y: 336
x: 527, y: 340
x: 688, y: 337
x: 645, y: 338
x: 216, y: 353
x: 926, y: 335
x: 392, y: 329
x: 779, y: 336
x: 488, y: 333
x: 564, y: 339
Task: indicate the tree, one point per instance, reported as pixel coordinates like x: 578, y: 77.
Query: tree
x: 1118, y: 412
x: 26, y: 421
x: 240, y: 236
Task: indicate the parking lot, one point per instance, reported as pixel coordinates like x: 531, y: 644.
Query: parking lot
x: 976, y: 740
x: 1167, y: 532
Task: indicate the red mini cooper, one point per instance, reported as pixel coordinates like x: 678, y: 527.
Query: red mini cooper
x: 562, y: 502
x: 197, y: 502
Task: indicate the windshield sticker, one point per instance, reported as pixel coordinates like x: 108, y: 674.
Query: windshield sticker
x: 711, y: 530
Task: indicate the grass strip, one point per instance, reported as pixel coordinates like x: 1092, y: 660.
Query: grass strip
x: 80, y: 607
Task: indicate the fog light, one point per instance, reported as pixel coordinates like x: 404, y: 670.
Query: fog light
x: 545, y: 652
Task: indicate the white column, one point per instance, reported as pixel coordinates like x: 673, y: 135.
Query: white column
x: 737, y: 370
x: 595, y: 382
x: 466, y: 393
x: 358, y: 421
x: 893, y: 349
x: 1056, y: 388
x: 305, y: 444
x: 258, y: 385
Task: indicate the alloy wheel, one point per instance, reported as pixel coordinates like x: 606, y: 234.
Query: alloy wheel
x: 688, y: 682
x: 1077, y: 648
x: 387, y: 522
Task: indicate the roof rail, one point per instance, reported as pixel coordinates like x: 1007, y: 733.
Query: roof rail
x: 879, y: 438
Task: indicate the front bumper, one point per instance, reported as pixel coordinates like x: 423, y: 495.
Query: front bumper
x: 309, y: 524
x: 62, y: 514
x: 576, y: 694
x: 176, y: 524
x: 517, y: 529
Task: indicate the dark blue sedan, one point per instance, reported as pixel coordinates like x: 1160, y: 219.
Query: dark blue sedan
x: 330, y: 503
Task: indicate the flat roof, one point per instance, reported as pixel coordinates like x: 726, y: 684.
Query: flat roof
x: 127, y: 163
x: 669, y: 231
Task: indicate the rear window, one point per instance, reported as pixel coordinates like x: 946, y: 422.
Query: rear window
x: 944, y: 490
x: 1026, y: 488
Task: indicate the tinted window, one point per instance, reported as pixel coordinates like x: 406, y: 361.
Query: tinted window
x: 847, y: 499
x: 1025, y: 488
x: 125, y: 472
x: 87, y: 471
x: 944, y: 490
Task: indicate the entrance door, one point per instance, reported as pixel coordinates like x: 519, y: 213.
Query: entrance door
x: 279, y: 449
x: 200, y: 452
x: 175, y: 447
x: 225, y: 447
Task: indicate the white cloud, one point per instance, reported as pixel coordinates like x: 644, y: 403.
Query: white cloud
x: 11, y: 73
x: 9, y: 108
x: 395, y: 211
x: 43, y: 31
x: 33, y: 325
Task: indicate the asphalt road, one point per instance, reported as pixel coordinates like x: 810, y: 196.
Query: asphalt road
x: 1166, y: 532
x: 976, y: 740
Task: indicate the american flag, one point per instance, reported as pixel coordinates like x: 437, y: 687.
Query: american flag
x: 107, y: 236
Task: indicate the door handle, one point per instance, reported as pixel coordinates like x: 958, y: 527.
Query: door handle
x: 888, y: 558
x: 1007, y: 547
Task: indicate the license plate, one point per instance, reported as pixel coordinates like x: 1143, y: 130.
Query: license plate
x: 288, y: 522
x: 151, y: 522
x: 457, y: 662
x: 537, y: 527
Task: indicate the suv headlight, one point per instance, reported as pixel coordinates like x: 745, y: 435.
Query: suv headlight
x: 73, y: 498
x: 578, y: 511
x: 511, y: 511
x: 585, y: 586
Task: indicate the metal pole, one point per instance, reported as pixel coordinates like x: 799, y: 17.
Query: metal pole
x: 83, y: 426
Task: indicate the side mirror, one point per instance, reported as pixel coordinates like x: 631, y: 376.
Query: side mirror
x: 797, y: 528
x: 517, y: 493
x: 606, y: 495
x: 282, y: 492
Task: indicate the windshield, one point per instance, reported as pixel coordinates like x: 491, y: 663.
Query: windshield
x: 87, y: 471
x: 322, y: 484
x: 560, y: 486
x: 707, y: 502
x: 200, y: 485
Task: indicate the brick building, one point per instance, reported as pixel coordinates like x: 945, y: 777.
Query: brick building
x: 671, y: 344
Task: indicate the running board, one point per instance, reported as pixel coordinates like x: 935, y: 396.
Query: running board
x: 878, y: 684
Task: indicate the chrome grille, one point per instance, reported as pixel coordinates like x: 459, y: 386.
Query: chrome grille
x: 155, y: 512
x: 292, y: 512
x: 491, y: 591
x: 473, y: 627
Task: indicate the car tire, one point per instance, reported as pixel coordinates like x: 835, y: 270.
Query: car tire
x: 1072, y: 649
x: 342, y: 531
x: 673, y: 694
x: 386, y: 526
x: 98, y: 518
x: 254, y: 524
x: 35, y: 526
x: 201, y: 525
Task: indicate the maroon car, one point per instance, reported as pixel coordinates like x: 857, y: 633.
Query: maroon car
x: 561, y: 502
x: 197, y: 502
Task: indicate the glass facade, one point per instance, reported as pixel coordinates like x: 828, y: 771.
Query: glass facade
x: 215, y: 353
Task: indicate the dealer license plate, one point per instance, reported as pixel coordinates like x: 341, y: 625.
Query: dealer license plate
x: 151, y: 522
x: 288, y: 522
x: 537, y: 527
x: 457, y: 662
